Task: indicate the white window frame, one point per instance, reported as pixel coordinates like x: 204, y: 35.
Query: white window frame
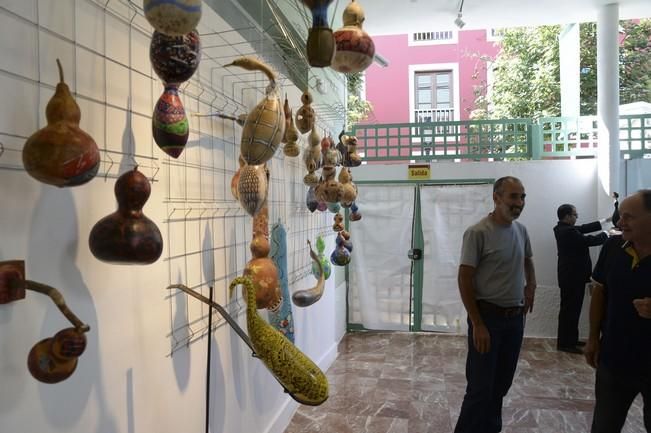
x: 454, y: 67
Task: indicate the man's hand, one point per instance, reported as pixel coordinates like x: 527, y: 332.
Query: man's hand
x: 591, y: 352
x: 529, y: 295
x: 643, y: 307
x: 481, y: 338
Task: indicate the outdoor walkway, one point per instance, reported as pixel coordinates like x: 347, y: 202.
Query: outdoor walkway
x: 414, y: 383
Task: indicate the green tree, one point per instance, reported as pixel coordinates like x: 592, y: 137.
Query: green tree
x: 358, y: 108
x: 527, y: 71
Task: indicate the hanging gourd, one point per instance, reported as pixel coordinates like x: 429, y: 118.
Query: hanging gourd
x: 325, y: 264
x: 320, y: 40
x: 355, y: 214
x: 352, y: 159
x: 334, y: 207
x: 54, y: 359
x: 291, y: 149
x: 349, y: 189
x: 261, y: 269
x: 310, y: 200
x: 312, y: 158
x: 305, y: 115
x: 329, y: 189
x: 340, y: 256
x: 175, y: 58
x: 288, y: 115
x: 265, y: 124
x: 170, y: 125
x: 338, y: 226
x: 355, y: 48
x: 307, y: 297
x: 61, y: 153
x: 252, y: 187
x: 173, y: 17
x: 127, y: 236
x: 235, y: 180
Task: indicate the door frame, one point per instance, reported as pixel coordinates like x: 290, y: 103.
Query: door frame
x: 417, y: 241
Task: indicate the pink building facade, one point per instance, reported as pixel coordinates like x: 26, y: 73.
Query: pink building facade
x: 430, y: 77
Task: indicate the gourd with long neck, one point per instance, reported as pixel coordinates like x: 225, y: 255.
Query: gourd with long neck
x: 307, y: 297
x: 298, y: 374
x: 320, y: 40
x: 312, y: 158
x: 355, y: 48
x: 261, y: 269
x: 265, y: 125
x: 61, y: 153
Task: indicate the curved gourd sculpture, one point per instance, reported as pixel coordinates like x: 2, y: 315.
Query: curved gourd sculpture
x: 305, y: 298
x: 297, y: 373
x: 265, y: 125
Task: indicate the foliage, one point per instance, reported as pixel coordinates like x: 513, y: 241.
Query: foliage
x: 527, y: 72
x: 358, y: 108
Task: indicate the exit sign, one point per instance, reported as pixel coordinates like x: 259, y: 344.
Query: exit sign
x: 419, y: 171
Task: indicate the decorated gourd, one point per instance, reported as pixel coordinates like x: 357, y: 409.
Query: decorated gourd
x: 307, y: 297
x: 61, y: 153
x: 127, y: 236
x: 355, y: 214
x: 343, y: 238
x: 349, y: 189
x: 310, y: 200
x: 281, y: 318
x: 305, y: 115
x: 338, y: 226
x: 330, y: 155
x: 175, y: 58
x: 340, y: 256
x: 173, y: 17
x: 265, y: 124
x: 320, y: 40
x: 235, y: 180
x: 291, y: 149
x: 54, y: 359
x: 329, y: 189
x: 355, y: 48
x: 170, y: 125
x: 333, y: 207
x: 252, y: 188
x: 261, y: 269
x: 297, y: 373
x: 288, y: 115
x: 312, y: 158
x: 353, y: 159
x: 325, y: 264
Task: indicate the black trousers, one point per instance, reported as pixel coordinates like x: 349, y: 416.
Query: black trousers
x: 572, y: 294
x: 615, y: 394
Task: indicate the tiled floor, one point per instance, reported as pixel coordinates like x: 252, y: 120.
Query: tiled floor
x: 414, y: 383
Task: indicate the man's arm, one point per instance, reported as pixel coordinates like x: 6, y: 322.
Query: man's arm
x: 480, y: 335
x: 597, y: 308
x: 530, y: 287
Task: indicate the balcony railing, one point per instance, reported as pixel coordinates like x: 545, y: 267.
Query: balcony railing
x: 430, y: 115
x: 498, y: 140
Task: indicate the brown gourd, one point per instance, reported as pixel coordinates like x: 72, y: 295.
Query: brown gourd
x: 61, y: 153
x: 127, y: 236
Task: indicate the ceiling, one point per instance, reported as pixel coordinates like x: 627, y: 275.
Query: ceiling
x: 406, y: 16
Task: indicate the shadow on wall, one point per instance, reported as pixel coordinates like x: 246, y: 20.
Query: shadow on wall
x: 51, y: 254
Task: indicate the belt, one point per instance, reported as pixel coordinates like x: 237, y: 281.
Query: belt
x: 496, y: 310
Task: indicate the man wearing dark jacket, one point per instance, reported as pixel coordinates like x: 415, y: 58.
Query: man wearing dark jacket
x: 574, y: 270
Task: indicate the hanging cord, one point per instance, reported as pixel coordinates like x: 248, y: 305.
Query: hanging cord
x: 210, y: 295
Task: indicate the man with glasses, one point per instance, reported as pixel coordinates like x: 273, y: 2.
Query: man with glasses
x: 574, y: 270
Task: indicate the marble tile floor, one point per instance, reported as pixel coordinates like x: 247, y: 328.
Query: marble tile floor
x: 392, y: 382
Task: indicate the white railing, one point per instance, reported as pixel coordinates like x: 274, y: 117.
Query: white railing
x: 434, y: 115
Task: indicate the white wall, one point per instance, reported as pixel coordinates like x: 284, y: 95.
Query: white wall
x: 128, y: 380
x: 548, y: 184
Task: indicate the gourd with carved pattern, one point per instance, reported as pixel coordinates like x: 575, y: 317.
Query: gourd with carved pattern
x: 298, y: 374
x: 252, y: 187
x: 355, y: 48
x: 312, y: 158
x: 349, y: 189
x: 305, y: 114
x: 173, y: 17
x: 265, y: 125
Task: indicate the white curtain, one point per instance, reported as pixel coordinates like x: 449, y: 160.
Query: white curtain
x: 380, y: 271
x: 446, y: 212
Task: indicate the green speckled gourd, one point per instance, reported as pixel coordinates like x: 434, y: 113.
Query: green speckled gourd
x: 298, y: 374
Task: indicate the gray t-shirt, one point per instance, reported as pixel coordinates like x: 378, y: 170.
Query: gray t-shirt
x: 497, y: 253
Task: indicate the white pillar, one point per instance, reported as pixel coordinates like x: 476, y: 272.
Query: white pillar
x: 608, y: 104
x: 570, y: 65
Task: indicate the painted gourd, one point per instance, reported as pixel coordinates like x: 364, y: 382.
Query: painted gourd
x: 54, y: 359
x: 235, y: 180
x: 343, y: 238
x: 355, y: 48
x: 310, y: 200
x: 265, y: 124
x: 355, y: 214
x: 312, y: 158
x: 61, y: 154
x: 353, y: 159
x: 170, y: 125
x: 307, y: 297
x: 281, y: 318
x: 253, y: 187
x: 299, y: 375
x: 320, y: 40
x: 291, y: 149
x: 305, y: 115
x: 325, y: 264
x: 338, y: 225
x: 127, y: 236
x: 349, y: 189
x: 329, y: 189
x: 175, y: 58
x: 173, y: 17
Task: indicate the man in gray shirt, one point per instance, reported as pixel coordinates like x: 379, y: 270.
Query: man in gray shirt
x: 497, y: 283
